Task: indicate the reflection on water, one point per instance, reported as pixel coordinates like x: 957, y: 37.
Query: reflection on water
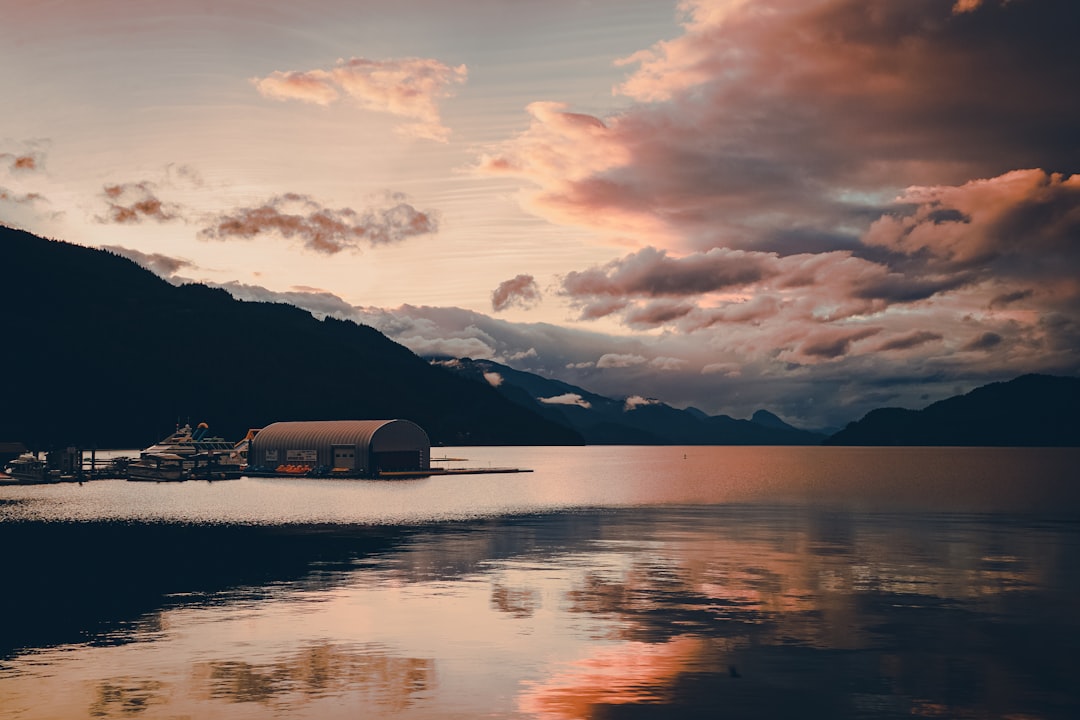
x: 798, y: 603
x: 317, y: 671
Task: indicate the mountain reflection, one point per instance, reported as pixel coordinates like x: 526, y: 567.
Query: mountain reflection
x: 675, y: 611
x: 389, y: 681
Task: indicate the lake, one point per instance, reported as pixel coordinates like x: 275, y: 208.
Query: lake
x: 610, y: 582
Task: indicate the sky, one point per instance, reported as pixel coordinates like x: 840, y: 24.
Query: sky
x: 817, y: 207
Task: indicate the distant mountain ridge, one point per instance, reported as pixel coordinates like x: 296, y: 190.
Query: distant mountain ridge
x: 635, y: 420
x: 101, y: 352
x: 1031, y: 410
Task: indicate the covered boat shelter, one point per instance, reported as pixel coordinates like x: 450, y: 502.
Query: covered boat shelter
x: 362, y: 448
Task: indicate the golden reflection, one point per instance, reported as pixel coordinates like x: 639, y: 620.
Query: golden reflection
x: 317, y: 671
x: 631, y: 672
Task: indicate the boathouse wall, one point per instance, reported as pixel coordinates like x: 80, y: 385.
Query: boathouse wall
x: 362, y: 447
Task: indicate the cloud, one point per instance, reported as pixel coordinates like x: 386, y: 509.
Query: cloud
x: 493, y: 378
x: 313, y: 86
x: 164, y: 265
x: 770, y: 126
x: 725, y: 369
x: 831, y: 343
x: 521, y: 290
x: 635, y: 401
x: 324, y: 229
x: 617, y: 360
x: 667, y: 363
x: 10, y: 196
x: 984, y: 342
x: 812, y: 372
x: 910, y: 340
x: 133, y: 202
x: 408, y: 87
x: 22, y: 162
x: 567, y: 399
x: 28, y: 157
x: 318, y: 302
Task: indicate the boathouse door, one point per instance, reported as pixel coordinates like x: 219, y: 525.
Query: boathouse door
x: 345, y: 456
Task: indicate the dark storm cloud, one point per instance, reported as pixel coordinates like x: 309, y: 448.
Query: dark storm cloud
x: 521, y: 290
x: 833, y: 344
x: 323, y: 229
x: 1006, y: 299
x: 652, y: 273
x: 910, y: 340
x: 985, y: 341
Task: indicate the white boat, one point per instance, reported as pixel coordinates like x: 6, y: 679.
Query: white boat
x: 188, y: 454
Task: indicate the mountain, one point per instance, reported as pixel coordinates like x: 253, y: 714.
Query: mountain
x: 636, y: 421
x: 100, y: 352
x: 1031, y: 410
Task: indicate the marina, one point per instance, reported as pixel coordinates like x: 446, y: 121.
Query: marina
x: 345, y: 449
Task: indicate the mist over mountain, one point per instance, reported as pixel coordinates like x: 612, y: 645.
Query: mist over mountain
x: 629, y: 420
x: 1031, y: 410
x: 101, y: 352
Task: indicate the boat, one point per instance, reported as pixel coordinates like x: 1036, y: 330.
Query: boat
x: 160, y: 467
x: 188, y: 454
x: 30, y: 468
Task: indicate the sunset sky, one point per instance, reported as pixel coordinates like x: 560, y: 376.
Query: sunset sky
x: 812, y: 206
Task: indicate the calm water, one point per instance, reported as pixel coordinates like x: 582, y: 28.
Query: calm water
x: 608, y: 583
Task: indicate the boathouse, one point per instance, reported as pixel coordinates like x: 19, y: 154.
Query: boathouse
x: 355, y: 447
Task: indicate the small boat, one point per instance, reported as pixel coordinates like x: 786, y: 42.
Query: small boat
x: 31, y: 469
x: 188, y: 454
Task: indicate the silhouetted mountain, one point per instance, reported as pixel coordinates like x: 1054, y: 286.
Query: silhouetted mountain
x: 767, y: 419
x: 632, y: 421
x: 99, y: 351
x: 1032, y: 410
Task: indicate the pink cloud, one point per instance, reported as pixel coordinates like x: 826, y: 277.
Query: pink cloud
x: 314, y: 86
x: 409, y: 88
x: 521, y: 290
x: 134, y: 202
x: 1020, y: 213
x: 772, y: 127
x: 323, y: 229
x: 10, y: 196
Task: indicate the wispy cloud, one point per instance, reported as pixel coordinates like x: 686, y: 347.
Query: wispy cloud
x: 408, y: 87
x: 11, y: 196
x: 322, y: 229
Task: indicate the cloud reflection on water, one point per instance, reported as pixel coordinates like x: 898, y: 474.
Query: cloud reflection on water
x: 617, y: 613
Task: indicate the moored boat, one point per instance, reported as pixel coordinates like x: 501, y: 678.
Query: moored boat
x: 31, y: 469
x: 188, y: 454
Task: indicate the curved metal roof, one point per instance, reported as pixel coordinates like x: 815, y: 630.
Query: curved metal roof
x: 334, y: 432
